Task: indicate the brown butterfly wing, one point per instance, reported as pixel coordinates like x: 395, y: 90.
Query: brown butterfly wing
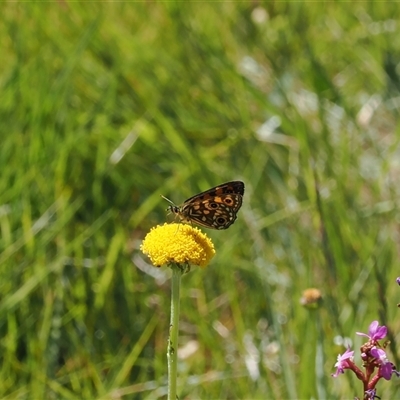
x: 236, y: 187
x: 215, y: 208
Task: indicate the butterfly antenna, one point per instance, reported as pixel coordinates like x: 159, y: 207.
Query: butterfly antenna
x: 170, y: 208
x: 169, y: 201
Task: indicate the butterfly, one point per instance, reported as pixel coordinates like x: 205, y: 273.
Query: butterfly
x: 216, y: 208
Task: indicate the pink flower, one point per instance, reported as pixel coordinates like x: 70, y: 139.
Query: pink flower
x: 342, y: 363
x: 375, y: 332
x: 385, y: 366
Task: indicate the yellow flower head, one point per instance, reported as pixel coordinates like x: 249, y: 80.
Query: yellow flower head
x: 179, y: 244
x: 311, y: 298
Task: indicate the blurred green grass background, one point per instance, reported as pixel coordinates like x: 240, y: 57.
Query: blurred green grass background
x: 105, y: 106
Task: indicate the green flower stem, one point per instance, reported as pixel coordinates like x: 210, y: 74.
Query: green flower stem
x: 172, y: 352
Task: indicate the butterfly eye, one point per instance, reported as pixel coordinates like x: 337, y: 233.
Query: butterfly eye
x: 228, y: 201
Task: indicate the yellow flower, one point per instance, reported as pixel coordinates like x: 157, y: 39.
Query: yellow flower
x: 311, y: 298
x: 178, y: 243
